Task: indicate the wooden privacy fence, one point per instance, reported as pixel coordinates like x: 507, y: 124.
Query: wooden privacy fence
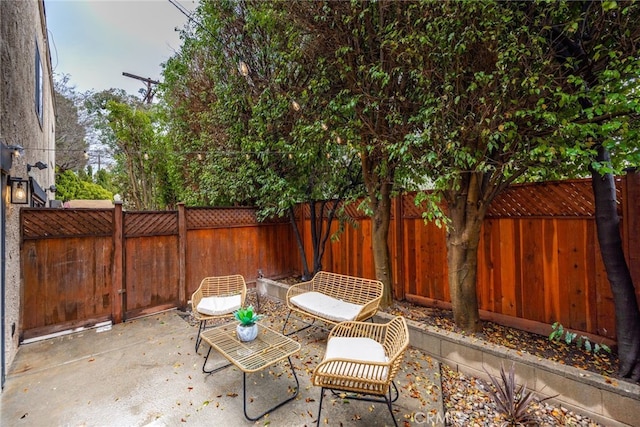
x: 83, y: 266
x: 538, y: 261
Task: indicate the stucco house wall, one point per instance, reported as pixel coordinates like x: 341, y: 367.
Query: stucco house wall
x: 28, y: 121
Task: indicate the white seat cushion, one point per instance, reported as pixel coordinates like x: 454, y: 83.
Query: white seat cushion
x: 325, y: 306
x: 216, y: 306
x: 358, y: 349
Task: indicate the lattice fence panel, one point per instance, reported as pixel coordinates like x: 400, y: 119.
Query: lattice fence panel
x: 573, y: 198
x: 62, y: 223
x: 409, y: 208
x: 137, y: 224
x: 219, y: 217
x: 350, y: 209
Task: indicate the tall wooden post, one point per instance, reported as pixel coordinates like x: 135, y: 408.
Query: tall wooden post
x: 182, y: 255
x: 118, y: 291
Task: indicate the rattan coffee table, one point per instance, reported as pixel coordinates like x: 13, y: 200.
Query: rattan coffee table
x: 269, y: 348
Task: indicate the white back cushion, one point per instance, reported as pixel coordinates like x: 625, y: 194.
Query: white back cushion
x: 325, y: 306
x: 216, y: 306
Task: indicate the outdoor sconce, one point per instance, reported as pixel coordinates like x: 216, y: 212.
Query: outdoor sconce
x: 19, y: 191
x: 38, y: 165
x: 8, y: 153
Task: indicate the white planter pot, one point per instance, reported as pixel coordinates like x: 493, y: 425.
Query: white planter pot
x: 247, y: 333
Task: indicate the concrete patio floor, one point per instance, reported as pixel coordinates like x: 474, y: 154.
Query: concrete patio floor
x: 146, y: 372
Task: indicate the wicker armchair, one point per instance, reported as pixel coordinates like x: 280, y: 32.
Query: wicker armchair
x: 217, y: 297
x: 362, y: 359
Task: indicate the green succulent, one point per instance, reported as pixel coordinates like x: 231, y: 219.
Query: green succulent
x: 246, y: 316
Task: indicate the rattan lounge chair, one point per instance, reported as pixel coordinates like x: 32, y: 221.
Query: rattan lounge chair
x: 361, y: 360
x: 217, y: 297
x: 333, y: 298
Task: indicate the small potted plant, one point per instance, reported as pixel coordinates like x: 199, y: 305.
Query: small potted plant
x: 247, y: 329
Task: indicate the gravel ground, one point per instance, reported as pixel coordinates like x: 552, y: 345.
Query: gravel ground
x: 468, y: 403
x: 466, y: 399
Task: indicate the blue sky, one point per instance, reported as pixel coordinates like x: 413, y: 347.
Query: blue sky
x: 94, y: 41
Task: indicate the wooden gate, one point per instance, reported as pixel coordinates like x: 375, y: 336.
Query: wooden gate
x: 151, y: 262
x: 66, y: 259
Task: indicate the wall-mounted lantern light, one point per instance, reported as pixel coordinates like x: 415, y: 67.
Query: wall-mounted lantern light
x: 19, y: 191
x: 17, y: 150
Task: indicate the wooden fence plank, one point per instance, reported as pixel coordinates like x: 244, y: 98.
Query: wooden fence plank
x: 605, y: 314
x: 182, y: 251
x: 550, y: 274
x: 485, y: 270
x: 532, y: 294
x: 509, y: 279
x: 591, y: 252
x: 426, y: 258
x: 396, y: 244
x: 439, y: 264
x: 410, y: 268
x: 631, y: 222
x: 570, y: 261
x: 578, y: 278
x: 517, y: 262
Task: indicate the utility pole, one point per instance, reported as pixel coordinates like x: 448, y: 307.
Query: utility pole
x: 148, y: 97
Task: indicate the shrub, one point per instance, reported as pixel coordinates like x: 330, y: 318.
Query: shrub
x: 558, y: 333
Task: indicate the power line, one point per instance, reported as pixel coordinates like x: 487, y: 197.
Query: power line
x: 184, y: 153
x: 190, y: 17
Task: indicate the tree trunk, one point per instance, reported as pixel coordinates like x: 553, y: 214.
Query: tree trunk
x: 379, y: 194
x: 324, y: 231
x: 379, y: 236
x: 463, y: 237
x: 624, y: 297
x: 314, y: 231
x: 467, y: 209
x: 303, y: 257
x: 134, y: 193
x: 317, y: 233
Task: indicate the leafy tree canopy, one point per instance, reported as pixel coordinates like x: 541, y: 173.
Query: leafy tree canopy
x: 71, y: 187
x: 71, y: 127
x: 135, y: 137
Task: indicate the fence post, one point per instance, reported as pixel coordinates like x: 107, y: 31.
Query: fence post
x: 631, y: 223
x: 182, y: 254
x: 117, y: 293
